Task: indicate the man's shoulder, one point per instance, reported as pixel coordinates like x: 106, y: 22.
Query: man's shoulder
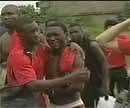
x: 3, y: 30
x: 74, y: 46
x: 17, y: 53
x: 77, y: 49
x: 5, y: 35
x: 18, y: 56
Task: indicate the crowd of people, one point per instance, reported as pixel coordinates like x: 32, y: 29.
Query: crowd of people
x: 61, y: 67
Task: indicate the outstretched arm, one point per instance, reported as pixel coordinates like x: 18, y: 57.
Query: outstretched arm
x: 53, y: 84
x: 0, y: 51
x: 26, y: 75
x: 112, y: 32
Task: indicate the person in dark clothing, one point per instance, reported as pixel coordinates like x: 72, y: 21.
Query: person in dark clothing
x: 9, y: 15
x: 96, y: 63
x: 3, y: 29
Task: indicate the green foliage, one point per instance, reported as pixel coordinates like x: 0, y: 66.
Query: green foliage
x: 125, y: 12
x: 44, y: 14
x: 93, y: 31
x: 27, y: 10
x: 83, y: 20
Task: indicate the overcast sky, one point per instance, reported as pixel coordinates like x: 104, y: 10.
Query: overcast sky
x: 3, y: 3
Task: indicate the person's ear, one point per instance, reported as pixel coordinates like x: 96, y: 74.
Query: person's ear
x: 67, y: 34
x: 68, y: 39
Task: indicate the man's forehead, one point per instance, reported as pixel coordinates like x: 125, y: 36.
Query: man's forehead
x: 75, y: 28
x: 30, y: 26
x: 54, y: 28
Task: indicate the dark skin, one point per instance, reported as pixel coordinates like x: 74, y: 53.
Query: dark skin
x: 56, y: 39
x: 9, y: 15
x: 29, y: 33
x: 77, y: 35
x: 30, y: 40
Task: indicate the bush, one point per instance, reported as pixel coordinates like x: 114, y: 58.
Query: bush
x: 125, y: 12
x: 87, y: 22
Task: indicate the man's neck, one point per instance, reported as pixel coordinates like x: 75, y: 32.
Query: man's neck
x: 58, y: 51
x: 10, y: 31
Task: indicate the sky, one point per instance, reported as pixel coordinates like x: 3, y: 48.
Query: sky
x: 18, y: 3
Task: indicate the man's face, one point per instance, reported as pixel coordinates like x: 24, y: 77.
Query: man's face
x: 76, y: 34
x: 31, y: 33
x: 55, y: 37
x: 9, y: 16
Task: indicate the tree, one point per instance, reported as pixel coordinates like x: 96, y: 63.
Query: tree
x: 27, y: 10
x: 125, y: 12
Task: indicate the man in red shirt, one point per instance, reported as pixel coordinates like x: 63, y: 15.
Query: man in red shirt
x: 26, y: 69
x: 116, y: 50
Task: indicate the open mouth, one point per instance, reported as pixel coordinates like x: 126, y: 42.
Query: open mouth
x: 54, y: 44
x: 8, y: 21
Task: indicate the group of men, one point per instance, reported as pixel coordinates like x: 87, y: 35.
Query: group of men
x: 55, y: 72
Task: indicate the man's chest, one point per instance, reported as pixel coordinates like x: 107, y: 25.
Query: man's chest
x: 53, y: 66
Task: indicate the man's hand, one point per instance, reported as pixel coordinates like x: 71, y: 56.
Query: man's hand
x: 76, y: 80
x: 77, y: 77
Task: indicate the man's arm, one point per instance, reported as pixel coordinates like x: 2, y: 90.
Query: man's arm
x: 78, y: 67
x: 112, y: 32
x: 0, y: 51
x: 53, y: 84
x: 104, y: 64
x: 121, y: 45
x: 25, y: 75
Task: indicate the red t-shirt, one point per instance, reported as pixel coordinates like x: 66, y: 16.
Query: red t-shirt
x: 23, y: 68
x: 115, y: 58
x: 67, y: 60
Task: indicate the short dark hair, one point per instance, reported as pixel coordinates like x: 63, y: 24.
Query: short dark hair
x: 110, y: 22
x: 22, y: 21
x: 73, y: 25
x: 59, y: 24
x: 51, y: 20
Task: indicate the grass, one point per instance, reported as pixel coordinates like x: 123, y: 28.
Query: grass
x: 94, y: 31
